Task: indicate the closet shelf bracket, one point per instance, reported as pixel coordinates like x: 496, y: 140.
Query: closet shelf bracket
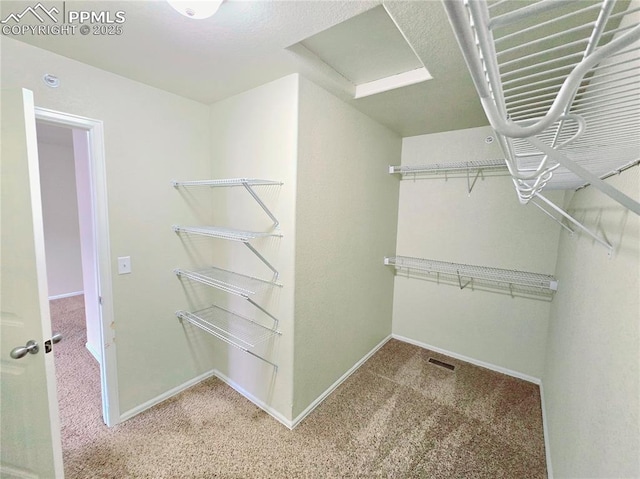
x: 462, y: 286
x: 231, y: 328
x: 232, y: 235
x: 247, y: 183
x: 566, y: 215
x: 532, y: 283
x: 232, y: 283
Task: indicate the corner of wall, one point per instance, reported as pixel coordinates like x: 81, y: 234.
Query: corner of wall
x: 346, y: 218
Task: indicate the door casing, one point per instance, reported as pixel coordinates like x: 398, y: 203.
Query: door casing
x: 98, y: 178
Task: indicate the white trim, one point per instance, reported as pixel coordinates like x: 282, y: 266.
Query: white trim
x: 65, y: 295
x: 392, y: 82
x: 335, y: 385
x: 547, y: 446
x: 258, y: 402
x: 165, y: 395
x: 93, y: 352
x: 467, y: 359
x: 293, y: 423
x: 108, y: 365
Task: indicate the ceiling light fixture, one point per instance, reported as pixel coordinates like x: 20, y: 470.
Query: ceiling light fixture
x: 196, y: 9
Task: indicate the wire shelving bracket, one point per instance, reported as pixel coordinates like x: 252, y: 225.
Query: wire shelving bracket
x: 247, y: 183
x: 531, y: 282
x: 232, y: 235
x: 232, y: 328
x: 479, y: 167
x: 230, y: 282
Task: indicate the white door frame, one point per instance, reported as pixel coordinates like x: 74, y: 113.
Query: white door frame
x: 97, y: 166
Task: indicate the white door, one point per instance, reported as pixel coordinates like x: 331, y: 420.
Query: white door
x: 30, y: 431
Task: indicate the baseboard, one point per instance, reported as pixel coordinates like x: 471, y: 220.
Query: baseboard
x: 279, y: 417
x: 467, y: 359
x: 547, y: 446
x: 258, y: 402
x: 335, y: 385
x: 164, y: 396
x: 93, y: 352
x: 66, y: 295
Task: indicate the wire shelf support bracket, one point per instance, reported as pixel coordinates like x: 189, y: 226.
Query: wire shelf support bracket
x: 247, y: 183
x: 552, y: 205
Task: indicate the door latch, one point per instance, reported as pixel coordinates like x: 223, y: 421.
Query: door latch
x: 55, y: 339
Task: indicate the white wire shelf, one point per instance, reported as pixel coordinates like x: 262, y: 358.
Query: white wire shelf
x: 533, y: 282
x: 227, y: 182
x: 247, y: 183
x: 234, y: 329
x: 479, y: 167
x: 460, y: 166
x: 223, y: 233
x: 560, y: 84
x: 232, y: 235
x: 231, y: 282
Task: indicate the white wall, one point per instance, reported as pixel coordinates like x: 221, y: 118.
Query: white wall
x: 438, y: 220
x: 60, y: 215
x: 88, y: 245
x: 347, y: 209
x: 151, y: 137
x: 591, y: 377
x: 254, y: 135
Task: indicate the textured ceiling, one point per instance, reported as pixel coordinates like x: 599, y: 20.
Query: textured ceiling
x: 246, y: 44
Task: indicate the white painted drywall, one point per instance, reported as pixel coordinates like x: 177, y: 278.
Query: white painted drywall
x: 60, y: 215
x: 88, y: 244
x: 439, y: 220
x: 346, y: 217
x: 151, y: 138
x: 254, y: 135
x: 592, y: 374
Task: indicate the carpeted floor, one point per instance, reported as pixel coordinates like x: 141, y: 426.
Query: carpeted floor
x: 397, y: 416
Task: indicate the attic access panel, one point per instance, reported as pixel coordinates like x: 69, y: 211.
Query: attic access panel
x: 370, y: 51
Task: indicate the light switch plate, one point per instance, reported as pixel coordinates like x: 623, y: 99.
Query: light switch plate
x: 124, y: 265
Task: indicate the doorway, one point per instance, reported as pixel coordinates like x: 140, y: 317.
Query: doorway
x: 67, y: 213
x: 72, y: 168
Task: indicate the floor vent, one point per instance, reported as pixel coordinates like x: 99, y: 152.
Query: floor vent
x: 448, y: 366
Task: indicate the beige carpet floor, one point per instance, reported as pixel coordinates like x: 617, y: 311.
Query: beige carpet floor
x: 398, y: 416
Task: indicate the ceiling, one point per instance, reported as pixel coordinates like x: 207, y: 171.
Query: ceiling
x: 249, y: 43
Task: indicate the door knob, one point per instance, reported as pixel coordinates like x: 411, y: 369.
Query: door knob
x: 20, y: 352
